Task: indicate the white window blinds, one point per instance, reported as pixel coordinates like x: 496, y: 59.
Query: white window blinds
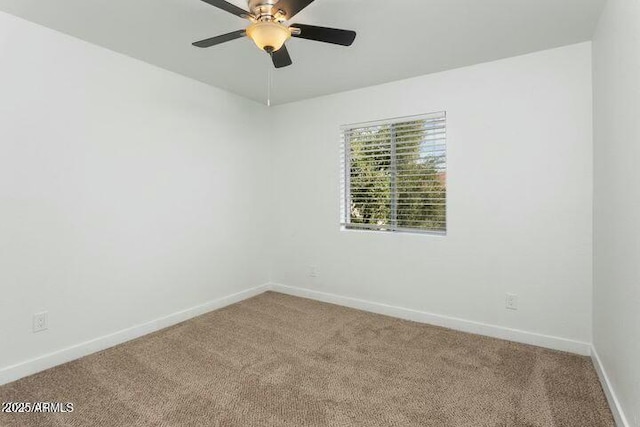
x: 394, y: 175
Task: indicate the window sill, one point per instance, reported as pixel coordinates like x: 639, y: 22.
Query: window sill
x: 345, y: 228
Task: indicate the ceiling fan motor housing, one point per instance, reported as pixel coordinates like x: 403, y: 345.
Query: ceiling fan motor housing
x: 264, y: 10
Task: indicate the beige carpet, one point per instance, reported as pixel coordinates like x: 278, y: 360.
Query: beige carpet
x: 277, y: 360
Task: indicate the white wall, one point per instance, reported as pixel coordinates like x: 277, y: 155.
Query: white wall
x: 519, y: 189
x: 126, y: 192
x: 616, y: 55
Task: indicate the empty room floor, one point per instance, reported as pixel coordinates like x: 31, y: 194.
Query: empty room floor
x: 278, y: 360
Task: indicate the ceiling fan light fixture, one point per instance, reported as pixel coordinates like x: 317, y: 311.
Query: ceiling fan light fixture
x: 268, y: 36
x: 268, y: 31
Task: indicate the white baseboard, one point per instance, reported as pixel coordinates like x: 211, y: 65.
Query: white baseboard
x: 614, y: 403
x: 32, y: 366
x: 494, y: 331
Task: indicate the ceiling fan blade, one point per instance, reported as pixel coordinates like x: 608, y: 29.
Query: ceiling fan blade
x: 290, y: 8
x: 220, y: 39
x: 325, y: 34
x: 228, y: 7
x: 281, y: 57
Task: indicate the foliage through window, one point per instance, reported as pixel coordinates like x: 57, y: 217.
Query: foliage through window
x: 395, y: 175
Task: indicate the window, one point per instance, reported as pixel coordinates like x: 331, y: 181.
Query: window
x: 395, y: 174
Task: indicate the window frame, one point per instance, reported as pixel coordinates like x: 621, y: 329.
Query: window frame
x: 345, y: 163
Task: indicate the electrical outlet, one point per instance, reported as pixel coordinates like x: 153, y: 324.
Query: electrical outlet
x: 313, y: 271
x: 40, y: 321
x: 512, y: 302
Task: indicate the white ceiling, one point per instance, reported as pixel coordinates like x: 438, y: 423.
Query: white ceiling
x: 396, y: 38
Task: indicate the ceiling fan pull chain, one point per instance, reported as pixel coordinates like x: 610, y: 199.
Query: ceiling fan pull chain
x: 269, y: 85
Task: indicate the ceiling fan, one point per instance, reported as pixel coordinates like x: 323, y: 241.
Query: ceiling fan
x: 268, y: 30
